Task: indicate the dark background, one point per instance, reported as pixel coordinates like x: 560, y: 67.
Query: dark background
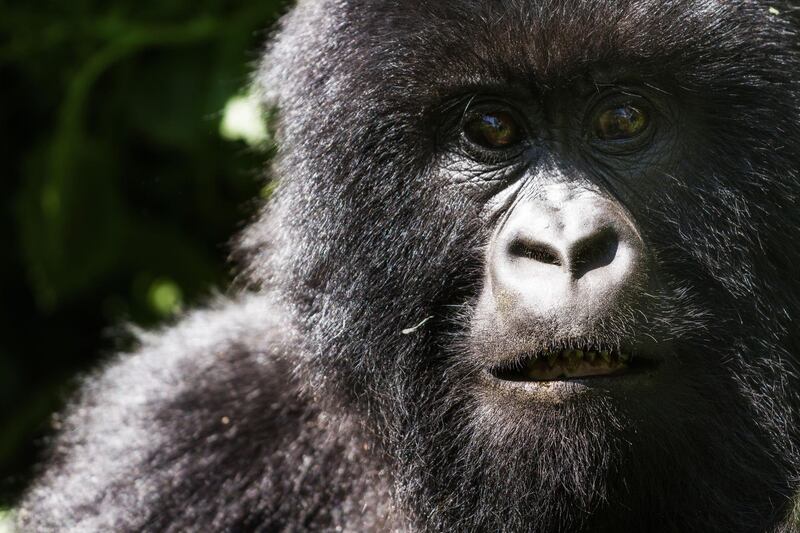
x: 119, y: 193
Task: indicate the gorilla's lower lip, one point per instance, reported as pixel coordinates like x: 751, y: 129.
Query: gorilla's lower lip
x: 574, y: 363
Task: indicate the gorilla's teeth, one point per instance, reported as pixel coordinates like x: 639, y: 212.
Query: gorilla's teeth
x: 576, y: 363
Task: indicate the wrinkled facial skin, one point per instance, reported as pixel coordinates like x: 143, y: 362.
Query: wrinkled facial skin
x: 593, y: 203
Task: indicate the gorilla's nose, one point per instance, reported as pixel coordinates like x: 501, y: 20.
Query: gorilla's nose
x: 594, y: 250
x: 562, y: 256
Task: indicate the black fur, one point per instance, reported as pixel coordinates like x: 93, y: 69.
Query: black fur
x: 299, y: 404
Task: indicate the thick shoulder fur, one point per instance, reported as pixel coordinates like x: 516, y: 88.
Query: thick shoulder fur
x: 204, y: 428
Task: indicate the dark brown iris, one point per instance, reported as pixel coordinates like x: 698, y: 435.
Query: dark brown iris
x: 493, y: 129
x: 620, y: 122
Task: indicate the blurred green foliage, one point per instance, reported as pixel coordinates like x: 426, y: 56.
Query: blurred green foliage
x: 120, y: 185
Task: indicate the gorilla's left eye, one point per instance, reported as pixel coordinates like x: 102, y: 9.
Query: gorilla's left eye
x: 620, y: 122
x: 493, y: 129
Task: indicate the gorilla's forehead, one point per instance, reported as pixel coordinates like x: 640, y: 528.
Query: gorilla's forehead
x: 546, y: 41
x: 358, y: 59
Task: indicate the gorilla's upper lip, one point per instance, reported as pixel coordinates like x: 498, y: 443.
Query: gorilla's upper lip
x: 577, y: 361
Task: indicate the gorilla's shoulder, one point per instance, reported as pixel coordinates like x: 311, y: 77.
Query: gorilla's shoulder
x: 194, y: 414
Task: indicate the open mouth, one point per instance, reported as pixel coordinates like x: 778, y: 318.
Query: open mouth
x: 574, y: 363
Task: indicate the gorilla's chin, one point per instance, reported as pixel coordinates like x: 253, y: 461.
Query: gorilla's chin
x: 598, y: 454
x: 520, y: 461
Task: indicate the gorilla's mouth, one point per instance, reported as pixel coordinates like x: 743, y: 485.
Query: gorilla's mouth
x: 574, y: 363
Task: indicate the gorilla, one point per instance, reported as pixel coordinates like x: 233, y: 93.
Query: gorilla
x: 530, y: 266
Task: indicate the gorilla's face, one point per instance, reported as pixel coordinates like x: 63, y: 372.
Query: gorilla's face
x: 570, y: 290
x: 585, y: 210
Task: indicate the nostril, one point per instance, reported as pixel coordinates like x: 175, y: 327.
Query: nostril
x: 593, y: 252
x: 537, y: 251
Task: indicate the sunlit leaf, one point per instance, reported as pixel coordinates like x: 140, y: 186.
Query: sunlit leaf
x: 243, y: 119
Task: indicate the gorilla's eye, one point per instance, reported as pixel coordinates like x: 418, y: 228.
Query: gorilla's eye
x: 495, y: 129
x: 620, y: 122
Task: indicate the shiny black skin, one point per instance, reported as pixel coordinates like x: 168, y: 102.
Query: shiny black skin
x: 352, y: 380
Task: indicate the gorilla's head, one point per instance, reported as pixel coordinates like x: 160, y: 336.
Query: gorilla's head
x: 547, y: 252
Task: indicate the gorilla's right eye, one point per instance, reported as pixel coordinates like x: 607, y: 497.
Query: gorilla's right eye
x: 493, y: 129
